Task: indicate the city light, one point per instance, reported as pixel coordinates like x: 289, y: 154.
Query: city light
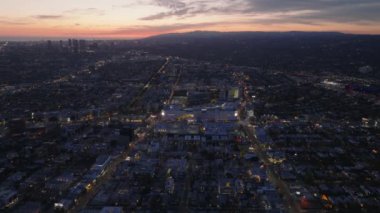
x: 232, y: 121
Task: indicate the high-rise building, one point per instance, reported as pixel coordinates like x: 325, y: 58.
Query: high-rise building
x: 49, y: 44
x: 75, y: 46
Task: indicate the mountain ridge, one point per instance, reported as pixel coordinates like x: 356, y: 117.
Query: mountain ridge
x: 208, y: 34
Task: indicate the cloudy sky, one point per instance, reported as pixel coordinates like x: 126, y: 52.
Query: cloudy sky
x: 141, y: 18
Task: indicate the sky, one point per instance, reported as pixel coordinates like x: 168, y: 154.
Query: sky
x: 142, y: 18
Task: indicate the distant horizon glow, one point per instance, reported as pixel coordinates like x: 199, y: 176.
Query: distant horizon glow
x: 127, y: 19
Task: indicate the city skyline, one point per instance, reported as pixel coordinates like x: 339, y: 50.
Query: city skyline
x: 137, y: 19
x: 189, y: 106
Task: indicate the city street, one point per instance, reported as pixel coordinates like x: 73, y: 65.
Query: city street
x: 83, y: 201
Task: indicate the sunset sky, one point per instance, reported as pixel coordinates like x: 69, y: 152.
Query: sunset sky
x: 141, y: 18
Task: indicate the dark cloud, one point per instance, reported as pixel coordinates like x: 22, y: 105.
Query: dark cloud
x: 71, y: 13
x: 347, y: 14
x: 173, y: 4
x: 159, y: 29
x: 294, y: 5
x: 290, y: 11
x: 326, y: 10
x: 176, y: 13
x: 181, y: 9
x: 48, y: 16
x: 202, y: 7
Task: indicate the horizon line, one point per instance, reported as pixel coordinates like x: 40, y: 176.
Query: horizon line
x: 58, y: 38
